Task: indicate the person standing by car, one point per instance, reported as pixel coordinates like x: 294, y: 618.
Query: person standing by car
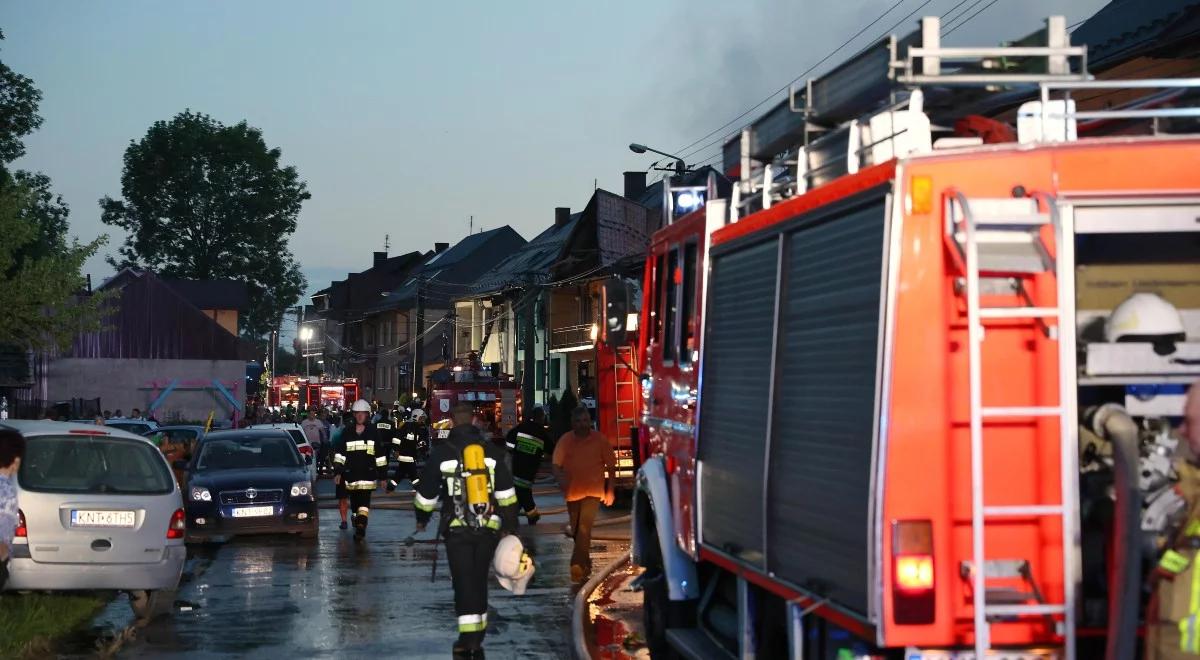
x: 361, y: 467
x: 12, y: 448
x: 314, y: 431
x: 584, y: 465
x: 527, y: 443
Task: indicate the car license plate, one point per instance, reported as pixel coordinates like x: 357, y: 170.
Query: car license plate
x: 87, y: 518
x: 253, y: 511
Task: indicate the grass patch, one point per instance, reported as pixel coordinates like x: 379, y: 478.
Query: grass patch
x: 29, y: 623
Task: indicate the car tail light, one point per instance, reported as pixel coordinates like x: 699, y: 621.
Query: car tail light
x: 178, y: 525
x: 672, y: 465
x: 22, y: 531
x: 306, y: 450
x: 913, y: 584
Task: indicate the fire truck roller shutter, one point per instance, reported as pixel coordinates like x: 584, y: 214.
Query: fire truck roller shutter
x: 819, y: 480
x: 737, y: 381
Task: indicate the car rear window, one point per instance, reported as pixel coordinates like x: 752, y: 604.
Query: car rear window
x: 132, y: 427
x: 297, y: 436
x: 92, y: 465
x: 240, y: 452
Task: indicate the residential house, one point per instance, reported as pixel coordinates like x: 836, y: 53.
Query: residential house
x: 159, y: 352
x: 411, y: 327
x: 343, y: 344
x: 502, y: 317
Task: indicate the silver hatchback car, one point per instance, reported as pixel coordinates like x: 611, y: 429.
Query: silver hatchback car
x: 100, y: 509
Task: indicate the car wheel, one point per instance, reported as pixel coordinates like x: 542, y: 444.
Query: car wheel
x: 149, y: 605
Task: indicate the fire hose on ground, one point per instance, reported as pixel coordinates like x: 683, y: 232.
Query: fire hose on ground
x: 579, y: 611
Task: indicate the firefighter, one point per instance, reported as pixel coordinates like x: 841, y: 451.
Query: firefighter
x: 469, y: 477
x: 527, y: 442
x: 1174, y: 616
x: 360, y: 467
x: 406, y: 443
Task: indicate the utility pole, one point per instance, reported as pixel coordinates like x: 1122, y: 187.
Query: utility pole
x: 528, y: 375
x: 471, y: 225
x: 419, y: 345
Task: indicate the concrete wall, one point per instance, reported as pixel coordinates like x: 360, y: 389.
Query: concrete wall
x: 127, y: 384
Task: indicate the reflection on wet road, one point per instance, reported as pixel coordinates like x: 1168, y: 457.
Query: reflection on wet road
x: 283, y: 597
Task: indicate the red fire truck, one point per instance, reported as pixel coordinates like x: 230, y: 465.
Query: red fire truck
x: 861, y: 402
x: 318, y: 393
x: 494, y: 396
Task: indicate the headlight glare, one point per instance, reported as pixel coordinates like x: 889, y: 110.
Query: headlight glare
x: 300, y: 489
x: 200, y: 494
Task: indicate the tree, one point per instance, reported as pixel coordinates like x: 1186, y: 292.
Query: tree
x: 18, y: 112
x: 204, y: 200
x: 41, y: 280
x: 39, y: 292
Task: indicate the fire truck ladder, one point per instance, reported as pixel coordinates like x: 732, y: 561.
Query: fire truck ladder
x: 1003, y: 237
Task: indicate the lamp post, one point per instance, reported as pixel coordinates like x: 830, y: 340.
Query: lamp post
x: 306, y: 334
x: 680, y: 166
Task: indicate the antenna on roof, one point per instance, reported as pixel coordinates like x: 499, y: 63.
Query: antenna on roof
x: 471, y: 227
x: 387, y: 242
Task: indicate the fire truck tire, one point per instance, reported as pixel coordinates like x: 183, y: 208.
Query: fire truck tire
x: 659, y: 612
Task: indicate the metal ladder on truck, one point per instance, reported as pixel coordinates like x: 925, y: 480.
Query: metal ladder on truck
x: 1003, y: 236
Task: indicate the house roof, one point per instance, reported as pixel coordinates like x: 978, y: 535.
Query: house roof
x: 211, y: 294
x: 1123, y: 29
x: 529, y: 265
x: 450, y: 274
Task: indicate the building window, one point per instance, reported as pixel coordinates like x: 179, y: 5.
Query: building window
x: 383, y: 378
x: 540, y: 383
x: 556, y: 367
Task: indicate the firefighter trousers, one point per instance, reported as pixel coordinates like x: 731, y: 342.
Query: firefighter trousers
x: 469, y: 553
x: 406, y: 468
x: 525, y: 499
x: 360, y: 509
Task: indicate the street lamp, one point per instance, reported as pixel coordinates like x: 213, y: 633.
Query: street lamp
x: 680, y: 167
x: 306, y: 334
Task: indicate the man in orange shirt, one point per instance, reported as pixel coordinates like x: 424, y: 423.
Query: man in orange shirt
x: 584, y: 465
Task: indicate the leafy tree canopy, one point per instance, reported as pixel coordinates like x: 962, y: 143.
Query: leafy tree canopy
x: 204, y: 200
x: 18, y: 112
x: 39, y: 289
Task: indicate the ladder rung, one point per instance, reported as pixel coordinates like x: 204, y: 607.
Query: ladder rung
x: 1017, y: 312
x: 1012, y: 222
x: 1022, y: 510
x: 1020, y: 610
x: 1021, y: 411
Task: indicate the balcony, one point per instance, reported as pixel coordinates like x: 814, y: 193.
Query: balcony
x: 571, y: 338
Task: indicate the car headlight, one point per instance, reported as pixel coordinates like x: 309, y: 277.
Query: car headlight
x: 201, y: 494
x: 300, y: 489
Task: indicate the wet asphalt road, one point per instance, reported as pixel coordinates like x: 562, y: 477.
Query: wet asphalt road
x: 280, y: 597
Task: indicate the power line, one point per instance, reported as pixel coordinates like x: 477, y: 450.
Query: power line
x: 791, y: 82
x: 971, y: 18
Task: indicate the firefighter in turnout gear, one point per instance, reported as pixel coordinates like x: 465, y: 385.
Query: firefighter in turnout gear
x: 361, y: 463
x: 469, y: 477
x: 1173, y: 619
x: 527, y: 442
x: 406, y: 442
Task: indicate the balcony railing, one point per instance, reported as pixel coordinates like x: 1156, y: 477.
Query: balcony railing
x: 571, y: 338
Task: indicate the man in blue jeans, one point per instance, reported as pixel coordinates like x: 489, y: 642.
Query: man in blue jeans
x: 12, y: 448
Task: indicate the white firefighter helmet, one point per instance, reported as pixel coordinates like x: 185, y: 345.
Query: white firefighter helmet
x: 514, y: 567
x: 361, y: 406
x: 417, y: 415
x: 1146, y: 317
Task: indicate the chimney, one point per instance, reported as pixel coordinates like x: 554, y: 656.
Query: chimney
x: 380, y: 257
x: 439, y: 248
x: 635, y: 184
x: 562, y: 215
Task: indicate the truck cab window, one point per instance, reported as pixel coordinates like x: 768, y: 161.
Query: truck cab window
x: 687, y: 336
x: 671, y: 303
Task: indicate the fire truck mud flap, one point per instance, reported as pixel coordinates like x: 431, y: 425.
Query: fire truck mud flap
x: 651, y: 505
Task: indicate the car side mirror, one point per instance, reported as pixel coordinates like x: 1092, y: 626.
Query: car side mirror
x: 308, y: 459
x: 180, y: 465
